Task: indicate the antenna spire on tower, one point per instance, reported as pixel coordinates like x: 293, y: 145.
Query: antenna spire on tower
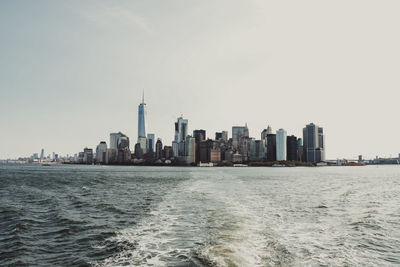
x: 143, y: 96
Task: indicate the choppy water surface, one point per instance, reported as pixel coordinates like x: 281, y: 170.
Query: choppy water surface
x: 114, y: 216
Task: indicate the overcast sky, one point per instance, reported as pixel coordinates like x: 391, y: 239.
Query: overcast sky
x: 71, y: 72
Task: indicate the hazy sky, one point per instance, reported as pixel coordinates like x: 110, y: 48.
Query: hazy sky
x: 71, y: 72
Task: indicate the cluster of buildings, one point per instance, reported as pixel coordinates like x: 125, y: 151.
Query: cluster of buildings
x: 196, y: 148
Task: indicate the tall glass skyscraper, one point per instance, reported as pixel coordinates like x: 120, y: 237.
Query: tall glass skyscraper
x: 141, y: 119
x: 281, y: 147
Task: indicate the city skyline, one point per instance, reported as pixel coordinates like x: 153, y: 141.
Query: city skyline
x: 68, y: 82
x: 182, y: 131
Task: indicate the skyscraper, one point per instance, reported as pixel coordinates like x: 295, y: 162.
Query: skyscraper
x: 271, y: 147
x: 313, y: 143
x: 237, y: 133
x: 199, y: 136
x: 181, y: 129
x: 42, y: 154
x: 281, y: 144
x: 101, y: 152
x: 266, y: 132
x: 150, y: 142
x: 114, y: 139
x: 159, y: 151
x: 141, y: 119
x: 291, y: 143
x: 190, y: 150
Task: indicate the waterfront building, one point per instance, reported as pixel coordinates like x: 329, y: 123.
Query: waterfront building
x: 111, y: 156
x: 205, y: 150
x: 159, y: 151
x: 87, y: 155
x: 80, y: 157
x: 101, y: 152
x: 244, y: 147
x: 114, y: 139
x: 175, y: 149
x: 138, y: 151
x: 225, y: 136
x: 190, y: 149
x: 281, y: 146
x: 257, y: 150
x: 199, y: 136
x: 300, y: 150
x: 313, y: 142
x: 181, y: 151
x: 168, y: 152
x: 181, y: 129
x: 238, y: 132
x: 237, y: 158
x: 42, y: 154
x: 123, y: 142
x: 141, y: 119
x: 142, y: 141
x: 215, y: 155
x: 291, y: 143
x: 266, y: 132
x: 221, y: 136
x: 228, y: 155
x: 321, y: 143
x: 124, y: 156
x: 150, y: 142
x: 271, y: 147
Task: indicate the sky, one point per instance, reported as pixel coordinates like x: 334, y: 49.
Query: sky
x: 72, y: 72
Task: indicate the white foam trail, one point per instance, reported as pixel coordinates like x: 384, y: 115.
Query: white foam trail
x: 213, y: 216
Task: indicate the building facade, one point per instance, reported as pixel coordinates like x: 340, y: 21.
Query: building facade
x: 291, y: 142
x: 150, y: 143
x: 142, y: 119
x: 101, y: 152
x: 238, y: 132
x: 281, y: 145
x: 313, y: 143
x: 159, y: 150
x: 271, y: 147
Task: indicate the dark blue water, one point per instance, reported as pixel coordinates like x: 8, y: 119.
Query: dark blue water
x: 116, y: 216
